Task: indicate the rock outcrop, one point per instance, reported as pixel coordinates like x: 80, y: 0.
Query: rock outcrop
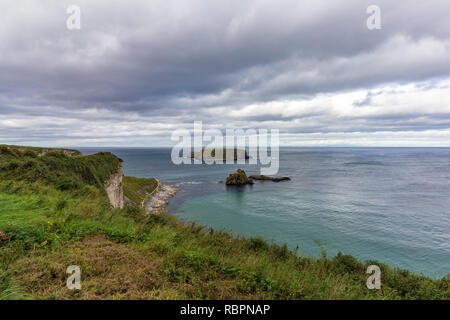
x: 238, y: 178
x: 114, y: 189
x: 263, y: 177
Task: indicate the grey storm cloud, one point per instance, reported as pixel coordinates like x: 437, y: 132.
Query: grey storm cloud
x: 175, y: 61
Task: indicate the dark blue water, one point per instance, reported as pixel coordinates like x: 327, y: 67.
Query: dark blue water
x: 385, y: 204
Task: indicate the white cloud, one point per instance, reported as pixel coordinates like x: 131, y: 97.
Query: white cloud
x: 137, y: 70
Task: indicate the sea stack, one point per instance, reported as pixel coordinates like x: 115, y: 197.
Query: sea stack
x: 238, y: 178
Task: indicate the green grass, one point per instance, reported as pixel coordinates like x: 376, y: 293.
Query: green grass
x: 138, y: 189
x: 57, y: 169
x: 49, y: 227
x: 38, y: 149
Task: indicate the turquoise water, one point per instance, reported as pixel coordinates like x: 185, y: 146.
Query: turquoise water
x: 385, y: 204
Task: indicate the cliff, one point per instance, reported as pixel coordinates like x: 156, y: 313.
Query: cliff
x: 64, y: 169
x: 114, y: 188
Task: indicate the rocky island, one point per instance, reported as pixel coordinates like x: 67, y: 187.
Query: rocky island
x: 240, y: 178
x: 206, y: 154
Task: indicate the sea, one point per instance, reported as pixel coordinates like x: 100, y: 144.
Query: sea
x: 391, y: 205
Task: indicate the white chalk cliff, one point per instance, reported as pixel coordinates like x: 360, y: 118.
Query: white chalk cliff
x: 114, y: 188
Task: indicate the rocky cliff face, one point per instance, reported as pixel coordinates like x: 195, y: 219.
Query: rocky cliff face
x: 114, y: 189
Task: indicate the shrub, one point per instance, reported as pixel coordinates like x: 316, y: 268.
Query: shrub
x: 257, y: 243
x: 345, y: 263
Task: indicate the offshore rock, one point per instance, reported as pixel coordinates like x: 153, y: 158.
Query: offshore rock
x: 263, y: 177
x: 238, y: 178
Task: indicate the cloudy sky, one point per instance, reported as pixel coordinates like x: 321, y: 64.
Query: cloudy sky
x: 137, y: 70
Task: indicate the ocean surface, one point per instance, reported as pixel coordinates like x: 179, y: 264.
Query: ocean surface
x: 386, y: 204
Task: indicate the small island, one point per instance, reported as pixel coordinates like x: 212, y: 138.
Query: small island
x: 211, y: 154
x: 240, y: 178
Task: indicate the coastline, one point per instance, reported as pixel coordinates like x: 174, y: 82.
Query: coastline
x: 201, y: 195
x: 158, y: 199
x: 169, y: 258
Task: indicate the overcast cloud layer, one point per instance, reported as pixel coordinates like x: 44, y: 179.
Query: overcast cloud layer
x: 138, y: 69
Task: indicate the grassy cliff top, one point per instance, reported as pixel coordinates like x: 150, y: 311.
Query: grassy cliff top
x: 63, y: 168
x: 54, y: 213
x: 40, y: 150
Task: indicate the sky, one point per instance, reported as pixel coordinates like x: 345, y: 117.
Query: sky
x: 138, y: 70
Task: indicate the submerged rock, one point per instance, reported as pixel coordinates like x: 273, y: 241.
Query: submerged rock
x: 263, y: 177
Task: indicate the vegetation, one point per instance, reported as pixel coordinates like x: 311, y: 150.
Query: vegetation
x: 40, y: 150
x: 56, y: 168
x: 138, y: 189
x: 55, y: 213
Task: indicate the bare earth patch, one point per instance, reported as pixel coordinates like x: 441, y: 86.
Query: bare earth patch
x: 108, y: 271
x: 113, y: 271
